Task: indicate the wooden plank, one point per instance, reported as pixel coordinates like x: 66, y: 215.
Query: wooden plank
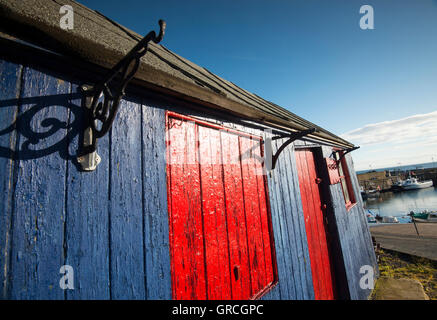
x: 344, y: 233
x: 317, y: 226
x: 87, y: 222
x: 336, y: 253
x: 186, y: 229
x: 298, y: 155
x: 288, y: 235
x: 317, y: 223
x: 38, y: 224
x: 238, y: 245
x: 10, y: 75
x: 156, y: 232
x: 266, y: 227
x: 252, y: 212
x: 320, y: 224
x: 346, y: 238
x: 275, y: 292
x: 126, y: 205
x: 356, y: 251
x: 214, y: 215
x: 311, y: 227
x: 300, y: 231
x: 360, y: 252
x: 324, y: 250
x: 284, y: 259
x: 292, y: 223
x: 277, y: 235
x: 367, y: 238
x: 286, y: 217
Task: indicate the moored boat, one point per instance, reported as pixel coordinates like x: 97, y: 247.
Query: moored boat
x: 371, y: 219
x: 413, y: 184
x: 425, y: 217
x: 372, y: 193
x: 397, y: 186
x: 390, y: 219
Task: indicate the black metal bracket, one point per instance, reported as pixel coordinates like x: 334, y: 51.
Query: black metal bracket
x: 291, y: 137
x: 101, y: 101
x: 345, y: 151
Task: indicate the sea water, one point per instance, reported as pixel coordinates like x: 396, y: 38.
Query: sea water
x: 400, y: 204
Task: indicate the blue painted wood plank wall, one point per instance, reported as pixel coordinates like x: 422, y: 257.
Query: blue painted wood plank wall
x: 294, y: 268
x: 39, y: 213
x: 10, y: 90
x: 111, y: 225
x: 354, y: 234
x: 87, y: 233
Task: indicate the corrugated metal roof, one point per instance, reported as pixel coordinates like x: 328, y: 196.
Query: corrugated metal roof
x: 102, y: 41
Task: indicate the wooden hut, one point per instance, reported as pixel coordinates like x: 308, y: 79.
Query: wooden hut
x: 198, y: 189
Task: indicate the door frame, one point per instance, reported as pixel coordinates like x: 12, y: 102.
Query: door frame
x: 334, y: 245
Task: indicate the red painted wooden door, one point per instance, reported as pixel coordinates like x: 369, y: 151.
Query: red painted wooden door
x: 220, y: 230
x: 321, y: 266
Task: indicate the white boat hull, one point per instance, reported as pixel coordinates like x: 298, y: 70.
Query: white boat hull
x: 390, y: 219
x: 418, y: 185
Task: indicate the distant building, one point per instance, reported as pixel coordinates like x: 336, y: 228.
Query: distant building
x: 381, y: 180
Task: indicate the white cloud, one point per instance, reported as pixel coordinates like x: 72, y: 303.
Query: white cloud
x: 419, y: 126
x: 408, y: 140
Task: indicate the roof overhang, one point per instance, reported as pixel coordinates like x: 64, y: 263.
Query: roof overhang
x: 100, y: 41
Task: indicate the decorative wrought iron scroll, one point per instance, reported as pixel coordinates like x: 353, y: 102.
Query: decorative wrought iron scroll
x: 102, y: 100
x: 291, y: 137
x: 344, y: 152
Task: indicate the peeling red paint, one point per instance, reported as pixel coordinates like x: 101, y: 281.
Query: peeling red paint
x: 220, y: 234
x: 321, y: 267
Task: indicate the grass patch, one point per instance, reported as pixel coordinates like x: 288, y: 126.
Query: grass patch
x: 398, y: 265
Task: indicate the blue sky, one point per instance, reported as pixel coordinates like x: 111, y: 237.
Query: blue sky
x: 377, y: 88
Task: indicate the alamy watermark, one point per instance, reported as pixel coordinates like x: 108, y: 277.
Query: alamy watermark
x: 367, y: 280
x: 367, y: 21
x: 66, y: 21
x: 67, y: 279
